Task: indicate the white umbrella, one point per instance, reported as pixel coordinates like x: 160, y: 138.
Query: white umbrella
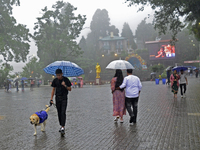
x: 119, y: 64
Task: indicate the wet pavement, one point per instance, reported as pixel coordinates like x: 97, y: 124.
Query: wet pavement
x: 163, y: 123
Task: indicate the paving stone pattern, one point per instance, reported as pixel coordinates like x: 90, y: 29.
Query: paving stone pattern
x: 163, y: 123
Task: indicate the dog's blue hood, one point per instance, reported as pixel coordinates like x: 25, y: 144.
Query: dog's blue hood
x: 42, y: 115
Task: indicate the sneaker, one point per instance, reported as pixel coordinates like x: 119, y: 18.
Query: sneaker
x: 134, y: 119
x: 181, y: 96
x: 116, y: 119
x: 121, y: 121
x: 131, y: 120
x: 62, y: 131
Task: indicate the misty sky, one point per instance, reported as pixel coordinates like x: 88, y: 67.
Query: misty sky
x: 118, y: 11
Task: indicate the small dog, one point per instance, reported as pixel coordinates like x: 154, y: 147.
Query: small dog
x: 39, y: 118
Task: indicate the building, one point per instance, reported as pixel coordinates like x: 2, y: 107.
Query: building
x: 114, y: 44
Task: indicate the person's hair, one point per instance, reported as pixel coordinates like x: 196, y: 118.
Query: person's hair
x: 120, y: 77
x: 130, y: 71
x: 181, y: 70
x: 58, y: 71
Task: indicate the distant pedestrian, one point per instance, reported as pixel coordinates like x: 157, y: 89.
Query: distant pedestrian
x: 4, y: 84
x: 22, y: 83
x: 197, y: 73
x: 183, y: 83
x: 118, y: 96
x: 81, y: 83
x: 17, y: 85
x: 191, y: 72
x: 7, y: 86
x: 32, y: 84
x: 174, y: 83
x: 133, y: 87
x: 168, y: 76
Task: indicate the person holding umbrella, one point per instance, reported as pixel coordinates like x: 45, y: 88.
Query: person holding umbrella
x: 118, y: 96
x: 61, y: 86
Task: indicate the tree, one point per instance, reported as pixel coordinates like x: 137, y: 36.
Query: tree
x: 82, y: 44
x: 100, y: 23
x: 168, y: 14
x: 32, y: 69
x: 5, y: 71
x: 14, y: 37
x: 126, y: 32
x: 56, y: 32
x: 145, y: 32
x: 114, y: 30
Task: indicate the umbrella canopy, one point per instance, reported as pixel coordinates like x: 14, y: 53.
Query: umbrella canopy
x: 9, y: 79
x: 168, y: 68
x: 23, y: 78
x: 179, y: 68
x: 80, y: 77
x: 119, y: 64
x: 153, y: 73
x: 68, y: 68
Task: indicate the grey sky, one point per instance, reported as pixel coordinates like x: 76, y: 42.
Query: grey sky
x: 118, y: 11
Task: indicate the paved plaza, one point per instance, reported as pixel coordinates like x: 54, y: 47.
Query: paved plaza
x: 163, y: 123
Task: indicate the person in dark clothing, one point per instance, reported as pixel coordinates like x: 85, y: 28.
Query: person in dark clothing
x: 197, y: 73
x: 17, y: 85
x: 61, y: 85
x: 7, y: 86
x: 168, y: 76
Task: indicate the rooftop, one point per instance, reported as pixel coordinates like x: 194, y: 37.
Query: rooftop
x: 109, y: 38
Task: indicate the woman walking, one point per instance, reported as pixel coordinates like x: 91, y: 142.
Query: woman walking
x: 174, y: 83
x: 118, y: 96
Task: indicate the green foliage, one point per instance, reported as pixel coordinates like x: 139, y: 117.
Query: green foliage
x: 145, y: 32
x: 14, y: 37
x: 164, y: 74
x: 5, y: 71
x: 56, y: 33
x: 157, y: 68
x: 127, y: 32
x: 33, y: 68
x: 168, y: 14
x: 114, y: 30
x: 100, y: 23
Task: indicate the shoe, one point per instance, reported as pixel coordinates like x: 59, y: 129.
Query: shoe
x: 134, y: 119
x: 121, y: 121
x: 131, y: 120
x: 62, y: 131
x: 181, y: 96
x: 116, y: 119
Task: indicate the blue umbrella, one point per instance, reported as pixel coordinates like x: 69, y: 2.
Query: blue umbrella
x: 23, y: 78
x: 68, y: 68
x: 179, y: 68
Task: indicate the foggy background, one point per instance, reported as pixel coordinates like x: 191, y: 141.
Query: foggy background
x: 118, y: 11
